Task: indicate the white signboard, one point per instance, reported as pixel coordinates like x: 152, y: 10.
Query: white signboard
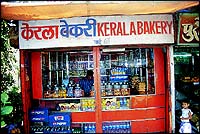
x: 96, y: 31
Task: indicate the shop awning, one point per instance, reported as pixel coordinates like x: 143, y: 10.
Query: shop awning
x: 41, y: 10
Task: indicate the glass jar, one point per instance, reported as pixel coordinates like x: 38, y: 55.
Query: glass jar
x: 117, y: 91
x: 125, y: 89
x: 109, y: 90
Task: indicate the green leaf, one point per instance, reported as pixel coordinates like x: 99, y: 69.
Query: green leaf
x: 4, y: 97
x: 6, y: 110
x: 7, y: 102
x: 3, y: 124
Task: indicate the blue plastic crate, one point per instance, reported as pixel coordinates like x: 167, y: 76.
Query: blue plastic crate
x: 39, y: 111
x: 60, y: 119
x: 38, y: 115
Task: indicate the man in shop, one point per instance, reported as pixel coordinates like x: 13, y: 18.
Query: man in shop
x: 87, y: 82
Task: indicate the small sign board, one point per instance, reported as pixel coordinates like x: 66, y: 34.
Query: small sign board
x: 188, y: 29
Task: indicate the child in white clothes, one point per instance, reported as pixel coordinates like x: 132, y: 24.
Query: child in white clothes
x: 185, y: 126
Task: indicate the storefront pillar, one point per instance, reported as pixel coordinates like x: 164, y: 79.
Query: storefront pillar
x: 97, y: 81
x: 170, y: 93
x: 24, y: 92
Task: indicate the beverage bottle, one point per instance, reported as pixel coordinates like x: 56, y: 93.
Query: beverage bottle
x: 86, y: 128
x: 111, y: 128
x: 121, y: 103
x: 77, y: 91
x: 56, y: 89
x: 124, y: 127
x: 89, y: 128
x: 70, y: 91
x: 104, y: 128
x: 63, y: 91
x: 128, y: 126
x: 93, y: 128
x: 117, y: 127
x: 125, y: 103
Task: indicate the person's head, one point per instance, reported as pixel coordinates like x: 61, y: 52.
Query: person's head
x: 185, y: 104
x: 89, y: 74
x: 108, y: 103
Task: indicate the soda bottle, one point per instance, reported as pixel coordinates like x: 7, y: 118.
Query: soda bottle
x: 70, y: 91
x: 86, y: 128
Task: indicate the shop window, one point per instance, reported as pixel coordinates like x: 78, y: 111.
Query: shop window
x: 122, y: 73
x: 127, y: 72
x: 62, y: 73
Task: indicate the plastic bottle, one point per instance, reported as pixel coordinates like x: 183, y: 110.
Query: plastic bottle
x: 124, y: 127
x: 114, y: 127
x: 121, y: 103
x: 104, y: 129
x: 128, y: 126
x: 86, y: 128
x: 77, y: 91
x: 70, y: 91
x: 56, y: 91
x: 107, y: 128
x: 117, y: 127
x: 110, y: 128
x: 89, y: 128
x: 93, y: 128
x: 124, y: 103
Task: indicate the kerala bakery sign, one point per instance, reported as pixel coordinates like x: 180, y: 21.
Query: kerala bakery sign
x: 96, y: 31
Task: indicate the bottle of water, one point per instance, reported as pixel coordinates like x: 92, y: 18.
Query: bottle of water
x: 121, y: 103
x: 125, y: 103
x: 114, y: 128
x: 86, y: 128
x: 93, y: 128
x: 70, y: 91
x: 77, y: 91
x: 110, y: 127
x: 124, y: 127
x: 104, y: 129
x: 128, y: 126
x: 89, y: 128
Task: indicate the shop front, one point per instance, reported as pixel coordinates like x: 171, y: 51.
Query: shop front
x: 186, y: 59
x: 130, y: 60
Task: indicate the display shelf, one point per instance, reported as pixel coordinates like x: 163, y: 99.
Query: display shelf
x: 47, y: 99
x: 125, y: 66
x: 113, y: 110
x: 116, y: 96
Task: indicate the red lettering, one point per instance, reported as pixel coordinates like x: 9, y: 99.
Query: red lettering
x: 139, y: 27
x: 106, y: 28
x: 119, y: 28
x: 50, y: 32
x: 146, y: 28
x: 132, y: 28
x: 99, y: 29
x: 112, y: 28
x: 27, y: 33
x: 158, y: 27
x: 170, y: 27
x: 163, y: 27
x: 124, y: 29
x: 151, y: 29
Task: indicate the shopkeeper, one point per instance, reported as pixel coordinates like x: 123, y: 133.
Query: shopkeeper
x: 87, y: 82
